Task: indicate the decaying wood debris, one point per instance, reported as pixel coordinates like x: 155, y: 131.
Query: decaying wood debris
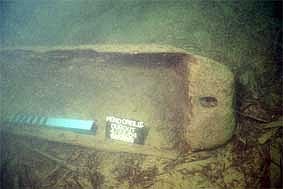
x: 252, y: 159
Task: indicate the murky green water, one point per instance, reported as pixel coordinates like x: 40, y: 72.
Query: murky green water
x: 245, y: 36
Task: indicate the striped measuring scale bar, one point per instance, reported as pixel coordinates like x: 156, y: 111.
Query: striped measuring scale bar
x: 59, y: 122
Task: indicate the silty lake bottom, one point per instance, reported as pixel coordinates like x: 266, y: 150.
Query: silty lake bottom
x: 245, y: 37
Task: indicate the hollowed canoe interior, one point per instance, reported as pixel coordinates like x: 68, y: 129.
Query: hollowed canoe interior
x: 85, y: 84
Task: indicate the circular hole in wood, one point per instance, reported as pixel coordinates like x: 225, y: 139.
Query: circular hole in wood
x: 208, y: 101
